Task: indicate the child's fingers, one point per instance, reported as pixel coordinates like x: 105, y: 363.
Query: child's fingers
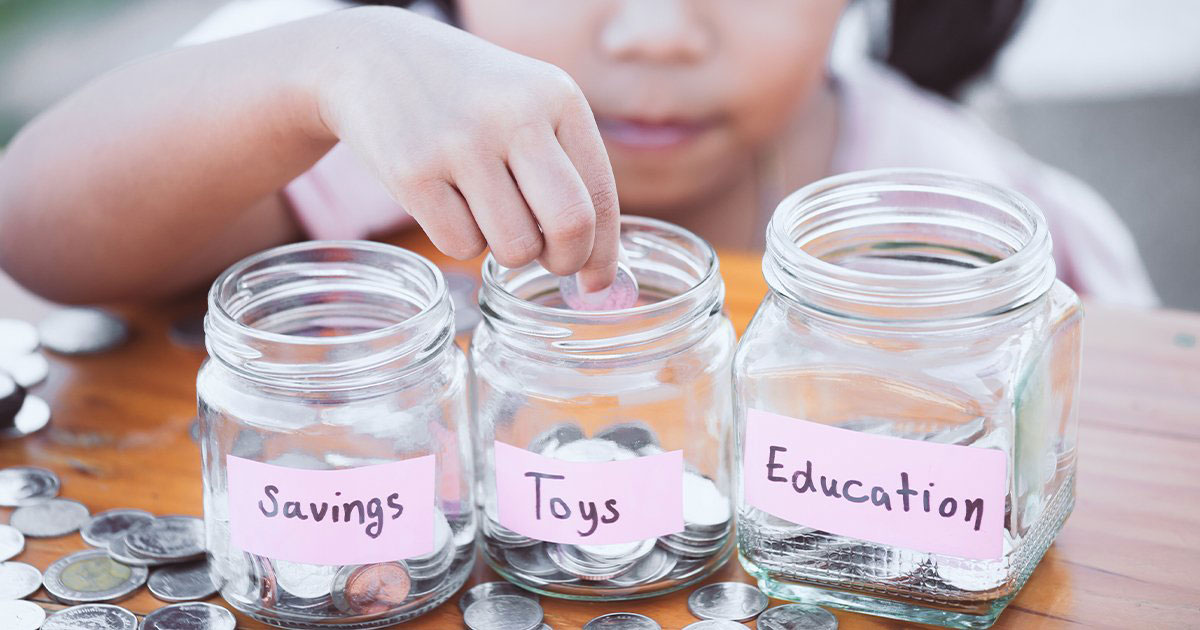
x: 557, y: 197
x: 443, y: 214
x: 580, y: 139
x: 501, y: 213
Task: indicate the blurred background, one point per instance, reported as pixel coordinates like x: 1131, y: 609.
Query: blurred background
x: 1108, y: 90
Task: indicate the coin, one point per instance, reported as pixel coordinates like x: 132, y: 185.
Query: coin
x: 21, y: 615
x: 530, y: 560
x: 654, y: 567
x: 91, y: 576
x: 33, y: 416
x: 371, y: 589
x: 109, y: 525
x: 51, y: 518
x: 547, y: 441
x: 26, y: 485
x: 17, y: 337
x: 12, y: 397
x: 484, y: 590
x: 12, y: 542
x: 503, y: 612
x: 633, y: 435
x: 621, y: 294
x: 735, y: 601
x: 715, y: 624
x: 568, y: 559
x: 81, y: 331
x: 119, y: 551
x: 168, y: 538
x: 190, y: 616
x: 18, y: 580
x: 304, y: 580
x: 622, y: 621
x: 26, y: 369
x: 92, y: 617
x: 182, y: 582
x: 797, y: 617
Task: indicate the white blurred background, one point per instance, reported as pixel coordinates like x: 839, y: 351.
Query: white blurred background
x: 1108, y: 90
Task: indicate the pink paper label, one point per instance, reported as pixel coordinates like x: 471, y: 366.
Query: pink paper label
x: 596, y: 503
x: 935, y: 498
x: 360, y: 515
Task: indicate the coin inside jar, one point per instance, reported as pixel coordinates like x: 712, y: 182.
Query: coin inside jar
x: 621, y: 294
x: 190, y: 616
x: 797, y: 617
x: 371, y: 588
x: 622, y: 621
x: 90, y: 617
x: 503, y: 612
x: 735, y: 601
x: 91, y: 576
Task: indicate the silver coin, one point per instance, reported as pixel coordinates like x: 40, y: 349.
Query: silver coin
x: 566, y: 558
x: 17, y: 337
x: 92, y: 617
x: 81, y: 331
x: 592, y: 450
x: 621, y: 294
x: 703, y: 503
x: 18, y: 580
x: 306, y: 581
x: 168, y: 538
x: 119, y: 551
x: 182, y: 582
x: 51, y: 518
x: 12, y: 542
x: 33, y: 416
x: 190, y: 616
x: 12, y: 396
x: 549, y: 440
x: 648, y: 570
x: 622, y: 621
x: 797, y: 617
x: 715, y: 624
x: 21, y: 615
x: 91, y: 576
x: 618, y: 552
x: 504, y: 612
x: 485, y: 590
x: 109, y: 525
x: 530, y: 560
x: 26, y: 369
x: 26, y: 485
x: 633, y: 435
x: 735, y: 601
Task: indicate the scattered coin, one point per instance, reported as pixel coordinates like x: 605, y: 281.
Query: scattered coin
x: 622, y: 621
x: 17, y: 337
x: 190, y: 616
x: 81, y: 331
x: 91, y: 576
x: 26, y: 485
x: 33, y: 416
x: 715, y: 624
x: 50, y: 518
x: 182, y: 582
x: 12, y: 542
x: 26, y: 369
x: 18, y: 580
x: 371, y: 588
x: 621, y: 294
x: 119, y: 551
x: 109, y: 525
x: 484, y: 590
x: 168, y: 538
x: 504, y: 612
x: 92, y: 617
x: 735, y: 601
x: 797, y: 617
x: 21, y: 615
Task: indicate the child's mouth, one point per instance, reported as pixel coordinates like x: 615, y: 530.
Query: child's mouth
x: 642, y: 134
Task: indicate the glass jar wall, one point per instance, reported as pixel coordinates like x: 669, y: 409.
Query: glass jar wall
x: 604, y: 438
x: 334, y: 411
x: 905, y: 399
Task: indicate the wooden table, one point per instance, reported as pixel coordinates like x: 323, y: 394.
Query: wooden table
x: 1129, y: 557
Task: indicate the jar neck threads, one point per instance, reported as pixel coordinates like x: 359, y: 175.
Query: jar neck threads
x: 328, y: 315
x: 681, y: 290
x: 908, y: 245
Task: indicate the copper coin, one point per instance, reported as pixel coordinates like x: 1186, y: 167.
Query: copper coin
x: 371, y: 588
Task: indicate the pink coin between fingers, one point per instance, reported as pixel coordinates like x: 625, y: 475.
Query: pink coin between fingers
x: 621, y: 294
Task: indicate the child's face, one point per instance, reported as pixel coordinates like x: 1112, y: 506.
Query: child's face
x: 684, y: 91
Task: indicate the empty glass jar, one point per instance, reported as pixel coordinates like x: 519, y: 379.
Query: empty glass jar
x: 334, y: 410
x: 905, y: 398
x: 603, y: 439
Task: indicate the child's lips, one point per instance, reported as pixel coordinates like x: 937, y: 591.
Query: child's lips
x: 643, y: 134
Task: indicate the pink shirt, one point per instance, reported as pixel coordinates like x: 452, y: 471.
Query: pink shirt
x: 885, y: 121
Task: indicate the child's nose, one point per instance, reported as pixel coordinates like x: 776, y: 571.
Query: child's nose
x: 661, y: 31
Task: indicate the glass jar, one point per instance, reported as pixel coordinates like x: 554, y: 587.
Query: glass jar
x: 906, y: 398
x: 604, y: 439
x: 333, y: 411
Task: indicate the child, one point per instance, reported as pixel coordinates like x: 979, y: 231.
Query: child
x: 706, y: 113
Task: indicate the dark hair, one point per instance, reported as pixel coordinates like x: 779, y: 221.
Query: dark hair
x: 939, y: 44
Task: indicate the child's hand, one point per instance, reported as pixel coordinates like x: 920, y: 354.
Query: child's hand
x: 484, y: 147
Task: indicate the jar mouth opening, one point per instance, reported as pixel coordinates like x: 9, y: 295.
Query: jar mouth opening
x: 885, y: 244
x: 691, y: 270
x: 330, y: 277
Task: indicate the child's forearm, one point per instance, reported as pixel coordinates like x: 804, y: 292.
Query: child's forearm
x: 159, y: 173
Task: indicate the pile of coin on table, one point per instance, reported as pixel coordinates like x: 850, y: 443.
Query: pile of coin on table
x: 131, y: 548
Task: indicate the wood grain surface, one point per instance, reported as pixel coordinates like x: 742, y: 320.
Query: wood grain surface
x: 1129, y: 557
